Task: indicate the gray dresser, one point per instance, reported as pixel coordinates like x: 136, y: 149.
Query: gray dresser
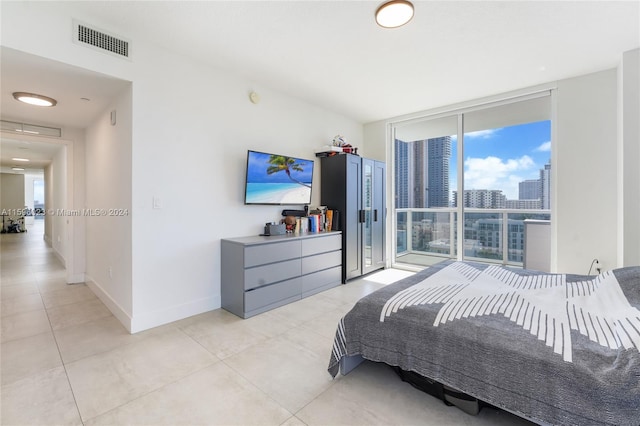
x: 261, y: 273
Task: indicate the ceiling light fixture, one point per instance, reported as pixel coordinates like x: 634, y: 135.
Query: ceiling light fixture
x: 33, y: 99
x: 20, y: 159
x: 18, y: 169
x: 394, y: 13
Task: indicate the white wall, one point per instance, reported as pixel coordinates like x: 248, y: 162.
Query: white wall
x: 75, y: 188
x: 12, y: 199
x: 191, y: 154
x: 59, y: 231
x: 48, y: 195
x: 108, y: 189
x: 187, y: 150
x: 629, y: 159
x: 585, y: 166
x: 374, y: 144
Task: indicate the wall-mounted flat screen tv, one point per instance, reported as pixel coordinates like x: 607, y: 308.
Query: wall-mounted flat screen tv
x: 277, y: 179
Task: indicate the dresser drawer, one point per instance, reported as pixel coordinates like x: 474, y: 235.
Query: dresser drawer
x: 323, y: 244
x: 321, y: 261
x: 267, y: 274
x: 287, y: 290
x: 276, y: 252
x: 313, y: 283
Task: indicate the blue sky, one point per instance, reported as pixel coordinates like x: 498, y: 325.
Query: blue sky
x: 501, y: 158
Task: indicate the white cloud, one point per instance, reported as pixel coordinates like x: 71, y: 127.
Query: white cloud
x: 481, y: 134
x: 495, y: 173
x: 544, y: 147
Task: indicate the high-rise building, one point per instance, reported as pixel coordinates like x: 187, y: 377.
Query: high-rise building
x: 523, y: 204
x: 419, y: 177
x: 401, y: 162
x: 438, y: 154
x: 535, y: 189
x: 422, y: 173
x: 481, y: 199
x: 545, y: 187
x: 529, y: 189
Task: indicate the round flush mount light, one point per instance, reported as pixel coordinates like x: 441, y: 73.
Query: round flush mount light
x: 394, y: 13
x: 34, y: 99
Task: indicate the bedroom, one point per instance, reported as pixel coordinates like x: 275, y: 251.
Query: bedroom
x: 211, y: 139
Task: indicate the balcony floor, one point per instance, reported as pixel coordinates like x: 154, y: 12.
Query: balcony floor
x: 417, y: 261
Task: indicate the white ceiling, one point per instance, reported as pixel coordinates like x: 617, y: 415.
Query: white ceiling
x: 332, y: 54
x: 39, y: 154
x: 67, y: 84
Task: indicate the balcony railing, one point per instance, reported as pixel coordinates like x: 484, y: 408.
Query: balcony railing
x: 425, y: 236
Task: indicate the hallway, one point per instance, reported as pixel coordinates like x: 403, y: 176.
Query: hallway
x: 36, y: 303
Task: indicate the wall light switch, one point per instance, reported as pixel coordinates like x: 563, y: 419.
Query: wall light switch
x: 157, y: 204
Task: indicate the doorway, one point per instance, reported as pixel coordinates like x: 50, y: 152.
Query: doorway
x: 55, y: 157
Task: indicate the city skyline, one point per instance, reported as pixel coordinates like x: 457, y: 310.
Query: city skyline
x: 498, y: 159
x: 503, y: 157
x: 422, y: 173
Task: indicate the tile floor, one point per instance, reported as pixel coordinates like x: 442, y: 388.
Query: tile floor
x: 67, y: 360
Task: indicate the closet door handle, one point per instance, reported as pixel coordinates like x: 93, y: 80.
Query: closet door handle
x: 375, y: 215
x: 361, y: 216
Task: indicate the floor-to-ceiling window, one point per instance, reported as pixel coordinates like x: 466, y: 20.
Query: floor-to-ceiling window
x: 423, y: 163
x: 38, y: 199
x: 488, y: 165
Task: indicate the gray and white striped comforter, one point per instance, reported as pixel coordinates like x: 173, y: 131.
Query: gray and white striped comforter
x: 553, y: 348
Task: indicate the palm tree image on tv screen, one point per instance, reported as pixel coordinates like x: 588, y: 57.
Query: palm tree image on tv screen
x: 278, y: 179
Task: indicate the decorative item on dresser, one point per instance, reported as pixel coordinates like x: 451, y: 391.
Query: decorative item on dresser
x: 355, y: 187
x: 261, y: 273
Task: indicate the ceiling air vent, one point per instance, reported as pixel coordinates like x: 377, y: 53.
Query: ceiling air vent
x: 100, y: 40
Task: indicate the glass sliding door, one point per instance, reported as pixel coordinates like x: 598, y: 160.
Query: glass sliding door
x: 488, y: 166
x: 424, y: 172
x: 38, y: 199
x: 507, y: 149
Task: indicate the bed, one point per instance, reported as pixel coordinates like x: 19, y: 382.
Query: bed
x: 551, y: 348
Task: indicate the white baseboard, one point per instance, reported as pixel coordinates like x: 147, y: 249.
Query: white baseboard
x: 153, y: 319
x: 111, y: 304
x: 76, y: 278
x: 145, y: 321
x: 60, y: 257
